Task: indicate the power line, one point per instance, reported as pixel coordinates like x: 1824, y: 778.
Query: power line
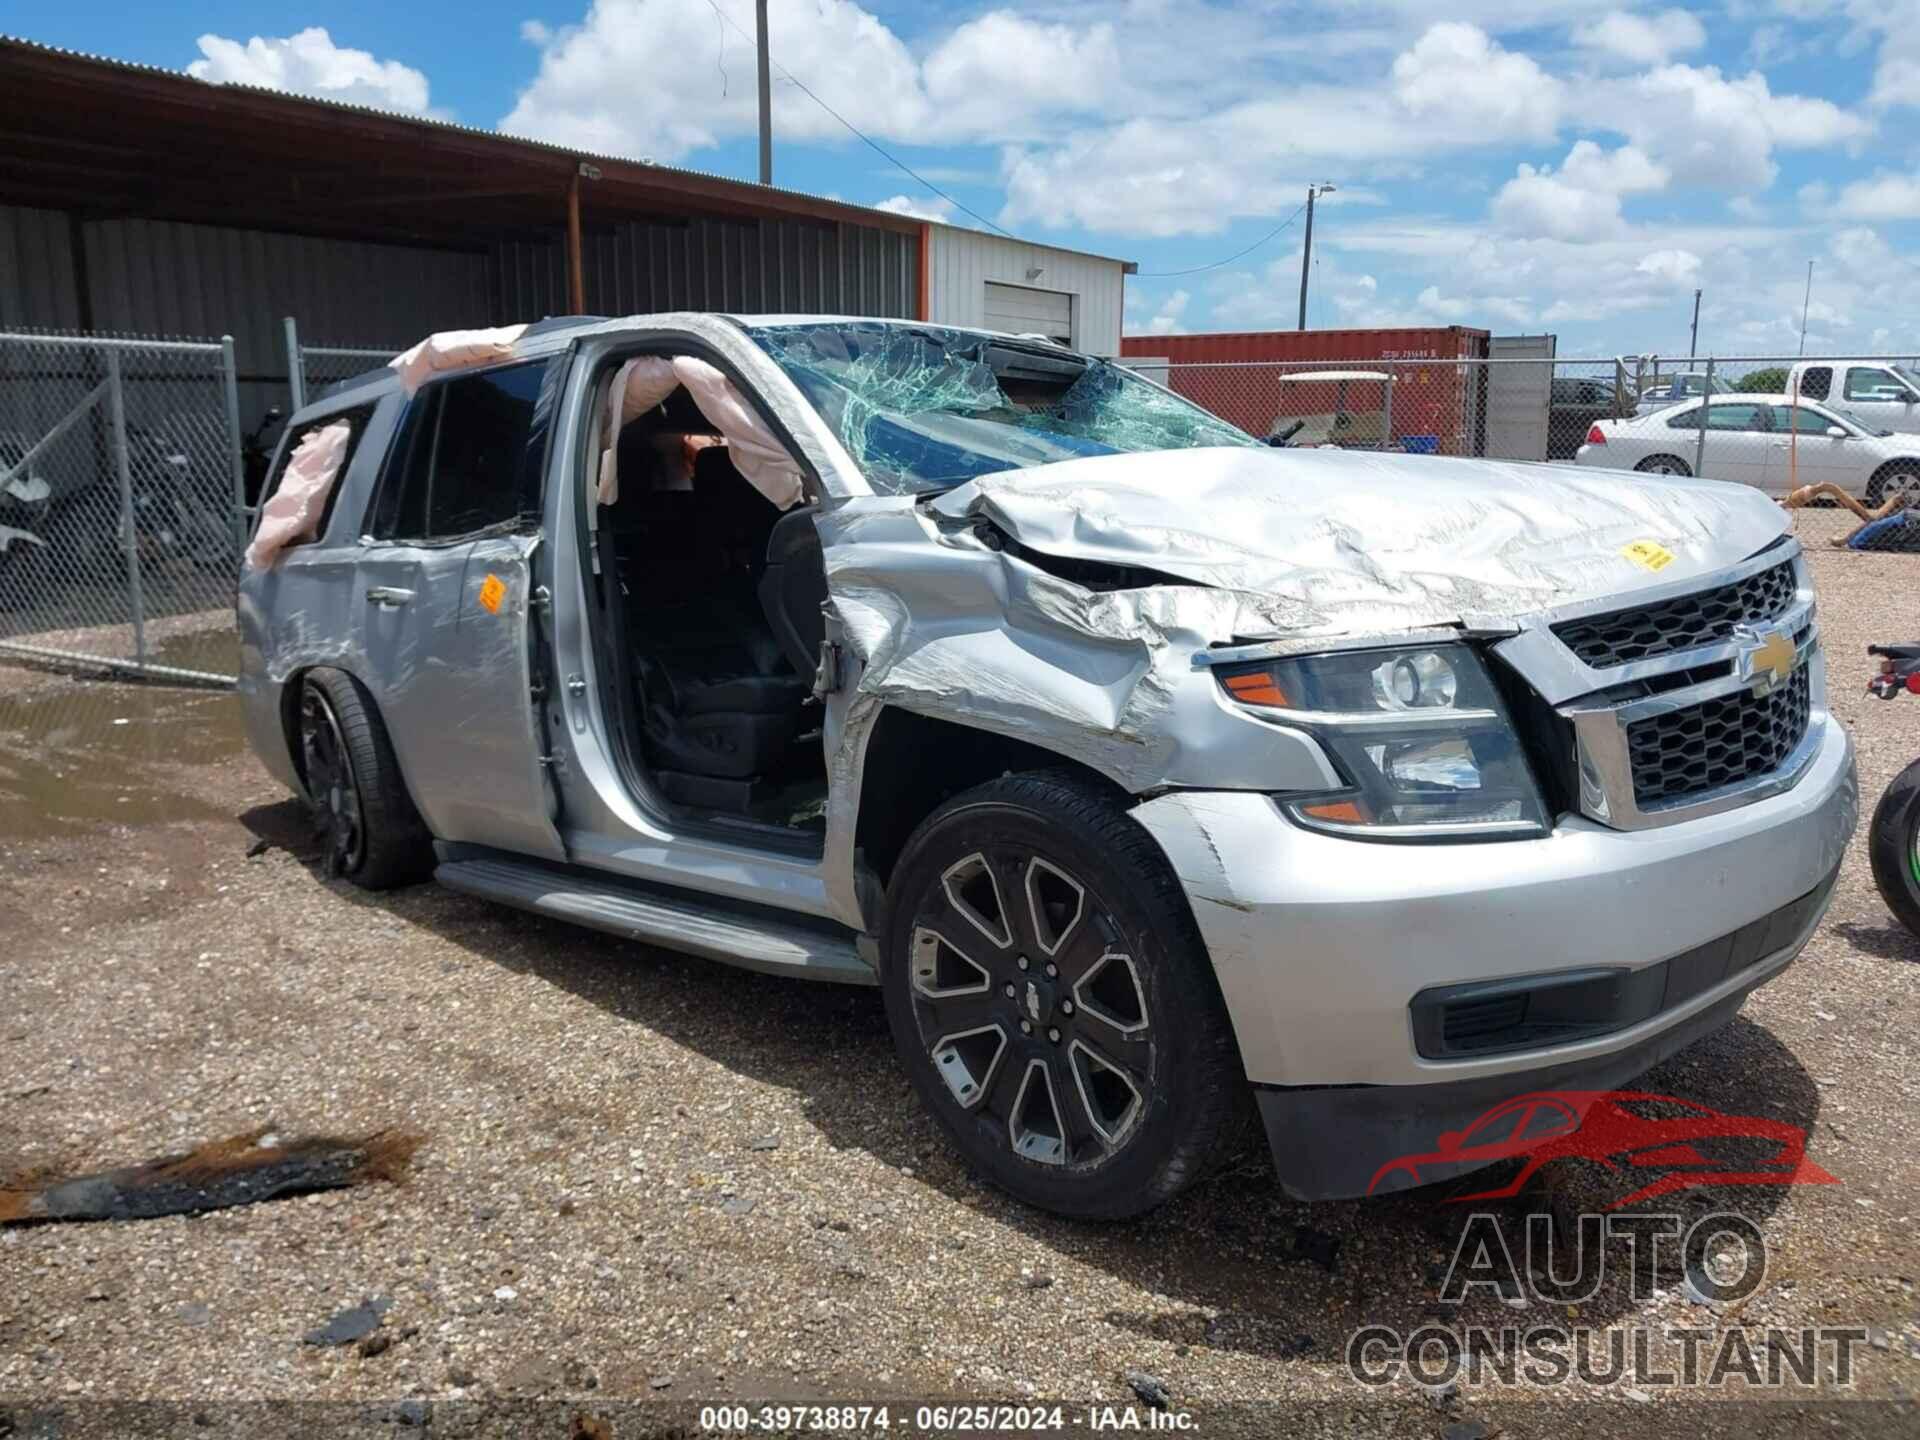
x: 1237, y: 255
x: 866, y: 139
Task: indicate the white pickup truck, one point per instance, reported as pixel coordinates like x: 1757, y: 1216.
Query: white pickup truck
x: 1880, y: 395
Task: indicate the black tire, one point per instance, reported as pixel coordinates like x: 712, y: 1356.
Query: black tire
x: 1148, y: 1112
x: 1664, y: 465
x: 370, y: 831
x: 1900, y: 475
x: 1890, y: 847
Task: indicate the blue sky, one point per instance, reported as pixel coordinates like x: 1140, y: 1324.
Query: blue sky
x: 1522, y: 165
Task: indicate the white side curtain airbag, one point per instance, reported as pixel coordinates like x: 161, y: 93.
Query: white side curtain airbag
x: 293, y: 514
x: 756, y: 451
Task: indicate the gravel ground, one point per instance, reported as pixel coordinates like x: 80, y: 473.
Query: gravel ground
x: 651, y: 1178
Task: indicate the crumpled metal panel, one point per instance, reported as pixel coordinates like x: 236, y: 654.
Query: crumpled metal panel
x: 1335, y: 542
x: 1305, y: 549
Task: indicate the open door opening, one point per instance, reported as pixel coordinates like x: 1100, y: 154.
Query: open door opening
x: 709, y: 599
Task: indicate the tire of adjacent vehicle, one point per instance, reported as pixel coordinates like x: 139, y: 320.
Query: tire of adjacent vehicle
x: 1664, y: 465
x: 1890, y: 847
x: 1901, y: 476
x: 396, y: 848
x: 1199, y: 1095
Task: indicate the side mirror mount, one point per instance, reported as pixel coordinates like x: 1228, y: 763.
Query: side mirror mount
x: 1834, y: 432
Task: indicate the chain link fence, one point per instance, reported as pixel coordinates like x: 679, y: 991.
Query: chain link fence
x: 312, y: 368
x: 123, y: 504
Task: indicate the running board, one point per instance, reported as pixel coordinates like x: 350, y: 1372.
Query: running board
x: 769, y: 941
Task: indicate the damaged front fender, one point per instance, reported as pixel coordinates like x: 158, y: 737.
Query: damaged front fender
x: 945, y: 625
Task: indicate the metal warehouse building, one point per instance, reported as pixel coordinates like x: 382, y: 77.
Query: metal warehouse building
x: 138, y: 200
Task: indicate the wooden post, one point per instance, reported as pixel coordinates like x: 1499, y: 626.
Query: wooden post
x: 576, y: 272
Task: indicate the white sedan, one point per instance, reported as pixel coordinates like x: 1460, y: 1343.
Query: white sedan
x: 1767, y: 441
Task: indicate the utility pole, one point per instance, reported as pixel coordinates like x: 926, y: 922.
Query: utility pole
x: 1805, y: 301
x: 1306, y: 253
x: 766, y: 95
x: 1693, y: 340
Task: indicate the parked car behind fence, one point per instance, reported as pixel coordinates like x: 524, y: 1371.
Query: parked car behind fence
x: 1770, y: 442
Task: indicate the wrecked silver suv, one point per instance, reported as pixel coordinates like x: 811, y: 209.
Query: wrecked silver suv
x: 1144, y: 767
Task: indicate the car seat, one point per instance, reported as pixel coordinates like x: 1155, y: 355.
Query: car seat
x: 793, y: 589
x: 720, y: 706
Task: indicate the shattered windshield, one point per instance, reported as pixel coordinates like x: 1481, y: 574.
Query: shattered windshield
x: 923, y: 408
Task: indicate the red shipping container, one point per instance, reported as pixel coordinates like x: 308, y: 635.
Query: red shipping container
x: 1443, y: 401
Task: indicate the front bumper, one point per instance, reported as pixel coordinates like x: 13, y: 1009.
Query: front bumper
x: 1321, y: 942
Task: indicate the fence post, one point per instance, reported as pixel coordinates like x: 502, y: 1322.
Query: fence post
x: 1706, y: 400
x: 1386, y: 433
x: 236, y: 455
x: 130, y: 529
x: 296, y: 371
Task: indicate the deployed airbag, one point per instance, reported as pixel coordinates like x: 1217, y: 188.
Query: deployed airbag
x: 757, y: 453
x: 453, y: 350
x: 293, y: 514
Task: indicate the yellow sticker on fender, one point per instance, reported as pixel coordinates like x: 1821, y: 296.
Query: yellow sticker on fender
x: 1648, y: 554
x: 493, y: 593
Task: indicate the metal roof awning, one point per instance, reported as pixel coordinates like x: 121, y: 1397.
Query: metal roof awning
x: 105, y: 138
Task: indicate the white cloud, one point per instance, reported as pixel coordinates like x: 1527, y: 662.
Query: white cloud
x: 930, y: 208
x: 1454, y: 88
x: 309, y: 63
x: 1712, y: 130
x: 1003, y: 59
x: 1642, y: 39
x: 1680, y: 268
x: 1885, y: 196
x: 1166, y: 319
x: 1459, y: 74
x: 1580, y: 200
x: 664, y: 78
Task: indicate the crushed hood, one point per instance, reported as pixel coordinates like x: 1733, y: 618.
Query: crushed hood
x: 1332, y: 541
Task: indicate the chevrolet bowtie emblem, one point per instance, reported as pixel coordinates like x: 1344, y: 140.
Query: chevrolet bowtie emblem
x: 1766, y: 660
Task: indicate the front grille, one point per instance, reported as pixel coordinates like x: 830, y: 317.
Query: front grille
x: 1717, y: 743
x: 1707, y: 618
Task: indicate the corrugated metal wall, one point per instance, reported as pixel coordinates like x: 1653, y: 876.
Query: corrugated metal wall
x: 162, y: 278
x: 766, y: 267
x: 37, y: 288
x: 151, y: 277
x: 963, y: 261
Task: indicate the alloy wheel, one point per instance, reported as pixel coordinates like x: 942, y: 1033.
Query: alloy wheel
x: 331, y: 783
x: 1031, y: 1006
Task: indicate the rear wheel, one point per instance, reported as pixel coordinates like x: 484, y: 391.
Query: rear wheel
x: 1664, y: 465
x: 369, y: 829
x: 1900, y: 478
x: 1893, y: 847
x: 1053, y: 1002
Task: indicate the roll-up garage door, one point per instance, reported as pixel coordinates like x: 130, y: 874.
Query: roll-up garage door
x: 1020, y: 310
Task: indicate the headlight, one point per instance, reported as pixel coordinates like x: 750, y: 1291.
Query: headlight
x: 1419, y: 734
